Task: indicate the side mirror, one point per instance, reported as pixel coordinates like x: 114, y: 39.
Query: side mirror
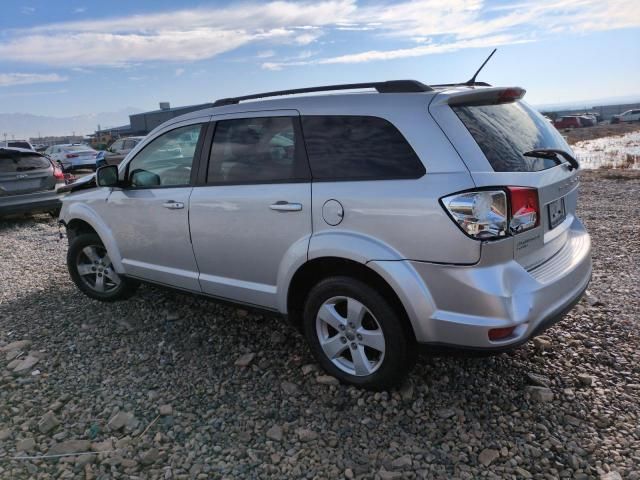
x: 107, y: 176
x: 143, y: 178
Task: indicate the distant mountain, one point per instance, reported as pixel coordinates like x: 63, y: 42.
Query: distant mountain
x: 25, y: 125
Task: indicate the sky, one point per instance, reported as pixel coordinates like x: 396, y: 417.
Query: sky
x: 81, y: 57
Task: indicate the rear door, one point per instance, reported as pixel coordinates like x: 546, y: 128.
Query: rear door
x: 24, y: 172
x: 252, y: 207
x: 491, y: 137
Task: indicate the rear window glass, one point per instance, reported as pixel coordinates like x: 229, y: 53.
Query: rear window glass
x: 22, y: 163
x: 505, y: 131
x: 19, y: 145
x: 358, y: 148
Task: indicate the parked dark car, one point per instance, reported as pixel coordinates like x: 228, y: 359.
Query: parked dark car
x: 28, y: 182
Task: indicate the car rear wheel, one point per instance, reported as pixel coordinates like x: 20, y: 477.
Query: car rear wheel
x: 356, y: 335
x: 92, y: 271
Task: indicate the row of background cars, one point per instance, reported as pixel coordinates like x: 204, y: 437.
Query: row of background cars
x: 29, y: 179
x: 591, y: 119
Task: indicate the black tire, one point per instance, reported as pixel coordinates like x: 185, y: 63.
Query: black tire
x: 399, y: 352
x: 125, y: 289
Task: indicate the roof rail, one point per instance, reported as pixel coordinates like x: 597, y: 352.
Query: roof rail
x: 391, y: 86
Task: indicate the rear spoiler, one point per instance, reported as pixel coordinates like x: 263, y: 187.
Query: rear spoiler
x: 486, y: 96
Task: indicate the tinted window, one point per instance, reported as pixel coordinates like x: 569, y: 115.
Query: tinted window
x: 128, y: 144
x: 254, y: 150
x: 358, y: 148
x: 19, y: 144
x: 167, y: 160
x: 10, y: 163
x: 505, y: 131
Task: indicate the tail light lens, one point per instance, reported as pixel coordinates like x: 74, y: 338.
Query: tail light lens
x: 58, y: 173
x: 492, y: 214
x: 71, y: 155
x: 525, y: 209
x: 481, y: 214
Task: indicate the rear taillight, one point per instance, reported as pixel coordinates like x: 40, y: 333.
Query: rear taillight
x: 492, y: 214
x: 525, y: 209
x: 58, y: 173
x: 71, y: 155
x: 481, y: 214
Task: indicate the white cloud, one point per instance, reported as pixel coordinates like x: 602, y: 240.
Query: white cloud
x: 27, y: 10
x: 10, y: 79
x: 416, y: 27
x: 179, y: 72
x: 266, y: 54
x: 80, y: 10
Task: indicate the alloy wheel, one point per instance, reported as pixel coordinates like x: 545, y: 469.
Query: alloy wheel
x: 350, y: 336
x: 95, y: 269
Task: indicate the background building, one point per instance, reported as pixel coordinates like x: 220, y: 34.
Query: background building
x: 141, y: 123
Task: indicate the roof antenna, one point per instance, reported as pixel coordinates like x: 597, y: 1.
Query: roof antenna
x: 472, y: 80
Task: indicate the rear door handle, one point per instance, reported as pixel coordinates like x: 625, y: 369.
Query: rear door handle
x: 171, y: 205
x: 283, y: 206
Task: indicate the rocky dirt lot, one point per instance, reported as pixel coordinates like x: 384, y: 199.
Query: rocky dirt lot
x: 169, y: 386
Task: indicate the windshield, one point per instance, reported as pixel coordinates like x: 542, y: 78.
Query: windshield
x: 505, y: 131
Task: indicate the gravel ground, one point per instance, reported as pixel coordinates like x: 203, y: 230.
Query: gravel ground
x: 167, y: 385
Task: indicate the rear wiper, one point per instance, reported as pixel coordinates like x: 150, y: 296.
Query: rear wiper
x: 552, y: 154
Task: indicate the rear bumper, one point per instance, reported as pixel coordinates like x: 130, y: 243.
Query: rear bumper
x: 31, y: 202
x: 458, y: 305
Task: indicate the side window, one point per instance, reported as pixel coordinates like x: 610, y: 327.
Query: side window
x: 358, y: 148
x: 128, y: 145
x: 117, y: 145
x: 167, y: 160
x: 256, y: 150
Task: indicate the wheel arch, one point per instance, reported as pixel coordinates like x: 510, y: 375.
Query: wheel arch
x: 315, y: 270
x: 78, y: 218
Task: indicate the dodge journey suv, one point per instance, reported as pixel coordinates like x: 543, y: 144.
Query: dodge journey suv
x: 377, y: 220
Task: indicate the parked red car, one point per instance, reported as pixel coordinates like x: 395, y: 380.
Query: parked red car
x: 568, y: 122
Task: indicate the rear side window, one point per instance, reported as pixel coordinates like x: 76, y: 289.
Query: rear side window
x: 505, y: 131
x: 22, y: 163
x: 358, y: 148
x: 257, y: 150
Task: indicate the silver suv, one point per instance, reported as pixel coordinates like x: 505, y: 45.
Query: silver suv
x: 376, y: 221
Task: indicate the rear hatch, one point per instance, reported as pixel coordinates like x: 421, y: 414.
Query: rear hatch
x: 492, y: 129
x: 22, y: 171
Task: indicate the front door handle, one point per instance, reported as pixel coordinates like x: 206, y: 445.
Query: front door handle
x: 283, y: 206
x: 171, y: 205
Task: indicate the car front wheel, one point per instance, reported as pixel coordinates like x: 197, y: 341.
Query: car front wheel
x: 92, y: 271
x: 356, y: 334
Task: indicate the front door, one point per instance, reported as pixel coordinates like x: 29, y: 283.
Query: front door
x: 150, y: 217
x: 254, y: 210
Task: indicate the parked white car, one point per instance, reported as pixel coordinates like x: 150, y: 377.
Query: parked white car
x: 73, y: 156
x: 17, y: 144
x: 628, y: 116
